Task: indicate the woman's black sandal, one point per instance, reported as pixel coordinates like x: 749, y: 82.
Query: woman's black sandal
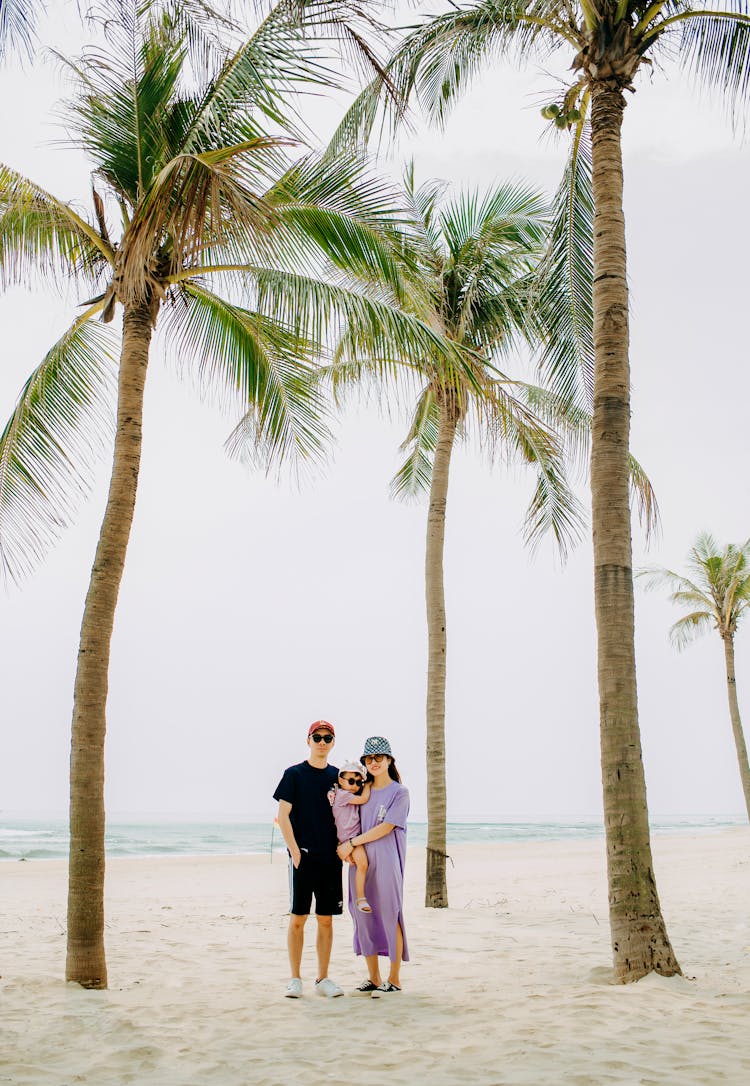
x: 366, y: 986
x: 386, y: 987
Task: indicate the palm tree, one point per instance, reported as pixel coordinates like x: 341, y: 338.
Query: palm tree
x: 467, y: 267
x: 717, y: 591
x: 469, y: 261
x: 609, y: 44
x: 202, y: 193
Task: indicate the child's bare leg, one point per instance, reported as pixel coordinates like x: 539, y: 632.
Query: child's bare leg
x: 359, y: 855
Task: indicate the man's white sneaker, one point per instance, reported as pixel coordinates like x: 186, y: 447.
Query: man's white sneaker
x: 294, y: 988
x: 326, y: 987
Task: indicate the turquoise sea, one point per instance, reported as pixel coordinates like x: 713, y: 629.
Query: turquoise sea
x: 47, y: 839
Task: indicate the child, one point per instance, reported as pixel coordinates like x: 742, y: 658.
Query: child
x: 345, y: 799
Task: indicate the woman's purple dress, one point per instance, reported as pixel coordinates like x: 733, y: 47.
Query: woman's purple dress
x: 375, y: 932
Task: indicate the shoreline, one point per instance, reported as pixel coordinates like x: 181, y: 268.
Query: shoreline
x: 510, y: 986
x: 563, y: 832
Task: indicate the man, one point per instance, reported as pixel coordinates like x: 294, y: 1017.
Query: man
x: 307, y: 826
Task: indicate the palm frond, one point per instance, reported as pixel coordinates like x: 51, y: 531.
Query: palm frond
x: 509, y: 427
x: 570, y: 421
x: 348, y: 213
x: 295, y: 49
x: 17, y: 27
x: 643, y: 496
x: 715, y: 50
x: 563, y: 309
x: 413, y: 478
x: 553, y: 508
x: 689, y: 627
x: 205, y: 30
x: 60, y: 425
x: 266, y: 370
x: 42, y: 237
x: 276, y: 61
x: 441, y: 57
x: 366, y: 329
x: 125, y: 89
x: 423, y: 204
x: 493, y: 241
x: 203, y: 204
x: 676, y: 583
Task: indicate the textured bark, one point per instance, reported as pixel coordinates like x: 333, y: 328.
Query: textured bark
x: 86, y: 962
x: 436, y: 886
x: 734, y: 713
x: 639, y: 938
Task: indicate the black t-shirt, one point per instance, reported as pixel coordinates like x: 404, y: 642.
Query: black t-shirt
x: 306, y: 788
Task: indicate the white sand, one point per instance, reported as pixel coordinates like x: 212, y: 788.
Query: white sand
x: 508, y: 986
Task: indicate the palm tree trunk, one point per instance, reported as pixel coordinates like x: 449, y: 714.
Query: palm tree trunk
x: 734, y: 713
x: 639, y: 938
x: 86, y: 961
x: 436, y: 886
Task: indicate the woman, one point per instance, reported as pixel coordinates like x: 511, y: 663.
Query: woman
x: 381, y: 932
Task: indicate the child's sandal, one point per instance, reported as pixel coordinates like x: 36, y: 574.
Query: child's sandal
x: 364, y: 905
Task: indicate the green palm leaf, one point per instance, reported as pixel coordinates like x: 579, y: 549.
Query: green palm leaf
x: 715, y: 49
x: 44, y: 237
x: 347, y: 212
x: 17, y: 24
x: 510, y: 429
x: 690, y: 627
x: 563, y: 315
x: 413, y: 478
x: 257, y: 361
x: 572, y: 424
x: 553, y: 508
x: 60, y: 425
x: 362, y: 325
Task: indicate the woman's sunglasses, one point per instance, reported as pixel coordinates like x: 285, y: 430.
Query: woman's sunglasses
x: 350, y: 780
x: 318, y: 737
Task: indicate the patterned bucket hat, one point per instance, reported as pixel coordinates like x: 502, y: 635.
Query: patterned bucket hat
x: 376, y: 744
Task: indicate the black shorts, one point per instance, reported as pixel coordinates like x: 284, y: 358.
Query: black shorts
x: 319, y: 877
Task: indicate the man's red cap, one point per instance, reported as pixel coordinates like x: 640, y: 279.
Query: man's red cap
x: 321, y: 724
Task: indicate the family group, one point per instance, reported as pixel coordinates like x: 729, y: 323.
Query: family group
x: 354, y: 815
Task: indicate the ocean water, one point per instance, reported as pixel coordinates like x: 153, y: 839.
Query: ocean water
x: 47, y: 839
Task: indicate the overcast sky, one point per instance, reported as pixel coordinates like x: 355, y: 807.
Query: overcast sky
x: 249, y: 608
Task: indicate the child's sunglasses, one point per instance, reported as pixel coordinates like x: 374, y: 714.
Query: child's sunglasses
x: 318, y: 737
x: 350, y: 780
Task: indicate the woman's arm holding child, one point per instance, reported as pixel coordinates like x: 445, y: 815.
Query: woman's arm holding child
x: 347, y: 847
x: 362, y: 798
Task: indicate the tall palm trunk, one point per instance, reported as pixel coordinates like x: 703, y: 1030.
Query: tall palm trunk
x: 734, y: 713
x: 86, y: 961
x: 436, y: 886
x: 639, y: 938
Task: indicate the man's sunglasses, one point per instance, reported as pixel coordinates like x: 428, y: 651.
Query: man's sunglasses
x: 350, y: 780
x: 318, y: 737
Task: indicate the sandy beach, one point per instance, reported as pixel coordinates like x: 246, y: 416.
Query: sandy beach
x: 511, y: 985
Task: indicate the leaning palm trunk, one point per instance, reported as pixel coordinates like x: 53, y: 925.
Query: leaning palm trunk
x: 86, y: 961
x: 639, y: 939
x: 734, y: 713
x: 436, y: 887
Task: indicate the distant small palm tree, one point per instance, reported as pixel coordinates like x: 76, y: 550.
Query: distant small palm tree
x: 717, y: 591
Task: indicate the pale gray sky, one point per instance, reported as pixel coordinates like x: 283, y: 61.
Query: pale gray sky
x: 249, y: 609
